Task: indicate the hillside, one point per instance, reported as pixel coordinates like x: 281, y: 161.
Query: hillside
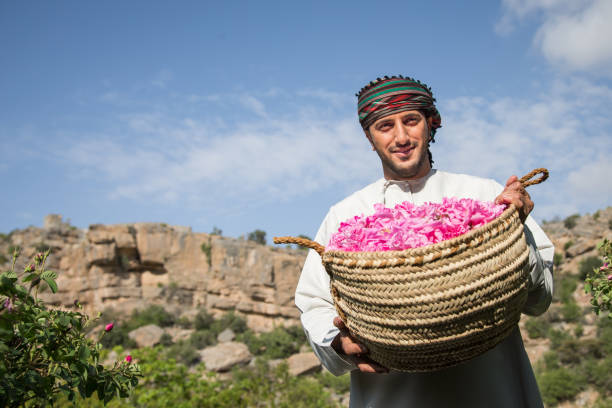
x: 128, y: 270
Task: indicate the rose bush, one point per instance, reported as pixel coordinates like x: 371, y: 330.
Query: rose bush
x: 599, y: 282
x: 44, y: 351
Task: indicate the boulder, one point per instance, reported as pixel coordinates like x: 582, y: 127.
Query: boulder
x: 178, y: 334
x: 146, y: 336
x: 303, y: 363
x: 224, y: 356
x: 226, y: 335
x: 580, y: 247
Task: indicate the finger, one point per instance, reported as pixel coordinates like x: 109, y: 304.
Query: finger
x: 511, y: 198
x: 350, y: 346
x: 368, y: 366
x: 511, y: 180
x: 339, y: 323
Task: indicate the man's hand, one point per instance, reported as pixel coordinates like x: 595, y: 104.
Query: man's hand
x: 515, y: 193
x: 346, y: 345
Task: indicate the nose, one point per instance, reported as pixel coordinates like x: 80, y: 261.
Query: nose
x: 401, y: 133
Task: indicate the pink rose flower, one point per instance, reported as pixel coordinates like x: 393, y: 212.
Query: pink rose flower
x: 410, y: 226
x: 128, y: 358
x: 109, y: 327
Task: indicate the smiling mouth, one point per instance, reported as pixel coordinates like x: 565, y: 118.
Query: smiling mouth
x: 403, y: 150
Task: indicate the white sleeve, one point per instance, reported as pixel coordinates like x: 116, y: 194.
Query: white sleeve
x: 314, y: 300
x: 541, y: 253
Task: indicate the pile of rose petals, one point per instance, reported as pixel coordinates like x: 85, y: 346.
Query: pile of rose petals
x: 411, y: 226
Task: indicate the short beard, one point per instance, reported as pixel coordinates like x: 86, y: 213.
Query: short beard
x: 406, y: 173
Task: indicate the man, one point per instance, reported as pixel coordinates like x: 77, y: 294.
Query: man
x: 399, y: 119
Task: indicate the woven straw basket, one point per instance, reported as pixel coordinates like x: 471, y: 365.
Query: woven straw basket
x: 432, y: 307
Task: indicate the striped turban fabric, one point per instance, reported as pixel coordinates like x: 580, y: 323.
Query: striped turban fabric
x: 387, y: 96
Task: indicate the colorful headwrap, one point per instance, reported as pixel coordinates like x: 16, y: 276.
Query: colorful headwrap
x: 391, y: 95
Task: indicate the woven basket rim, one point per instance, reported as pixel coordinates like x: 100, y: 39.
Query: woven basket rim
x: 427, y: 249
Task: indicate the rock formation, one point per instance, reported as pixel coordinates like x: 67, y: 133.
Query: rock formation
x: 130, y: 266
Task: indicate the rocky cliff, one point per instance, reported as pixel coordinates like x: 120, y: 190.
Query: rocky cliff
x: 130, y: 266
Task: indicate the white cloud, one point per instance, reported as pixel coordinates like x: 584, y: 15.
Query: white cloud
x: 573, y: 35
x: 253, y: 104
x: 579, y: 41
x: 591, y: 180
x: 566, y: 129
x: 168, y: 157
x: 263, y: 158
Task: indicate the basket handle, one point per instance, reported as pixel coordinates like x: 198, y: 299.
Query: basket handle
x: 305, y: 242
x: 525, y: 180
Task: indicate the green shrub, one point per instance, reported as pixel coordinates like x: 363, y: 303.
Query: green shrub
x: 184, y: 323
x: 340, y: 384
x: 206, y: 247
x: 604, y: 334
x: 587, y: 265
x: 167, y: 383
x: 596, y: 215
x: 564, y: 285
x: 258, y: 236
x: 279, y: 343
x: 549, y: 361
x: 578, y: 330
x: 166, y: 340
x: 559, y: 384
x: 536, y: 327
x: 182, y: 352
x: 570, y: 311
x: 557, y: 338
x: 599, y: 375
x: 567, y: 245
x: 203, y: 338
x: 231, y: 321
x: 603, y: 402
x: 610, y: 223
x: 153, y: 314
x: 570, y: 222
x: 557, y: 259
x: 203, y: 320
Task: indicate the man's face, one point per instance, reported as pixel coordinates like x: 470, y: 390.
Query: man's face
x: 401, y: 141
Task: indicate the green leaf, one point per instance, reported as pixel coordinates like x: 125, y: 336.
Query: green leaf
x: 29, y: 277
x: 48, y: 274
x: 83, y: 353
x: 10, y: 274
x: 51, y: 284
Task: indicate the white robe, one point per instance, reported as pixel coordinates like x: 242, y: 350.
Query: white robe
x: 501, y: 377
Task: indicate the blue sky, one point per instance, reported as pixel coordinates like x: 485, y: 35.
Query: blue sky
x: 241, y: 115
